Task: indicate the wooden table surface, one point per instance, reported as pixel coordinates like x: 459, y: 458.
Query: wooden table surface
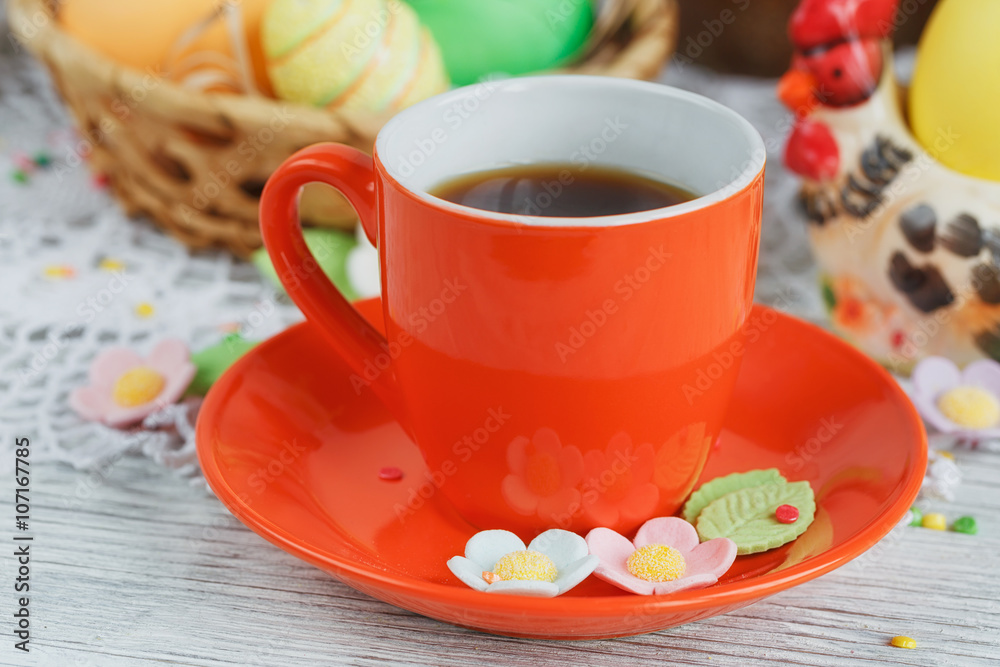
x: 133, y: 566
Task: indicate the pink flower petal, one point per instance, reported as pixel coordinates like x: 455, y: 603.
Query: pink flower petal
x: 168, y: 355
x: 517, y: 457
x: 90, y: 402
x: 714, y: 557
x: 934, y: 375
x: 985, y: 374
x: 668, y: 530
x: 612, y: 548
x: 178, y: 381
x: 119, y: 417
x: 518, y: 495
x: 625, y: 580
x: 111, y: 364
x: 685, y: 583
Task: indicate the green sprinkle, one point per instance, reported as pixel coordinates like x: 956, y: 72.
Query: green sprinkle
x: 42, y: 159
x: 918, y: 517
x: 965, y: 524
x: 19, y: 176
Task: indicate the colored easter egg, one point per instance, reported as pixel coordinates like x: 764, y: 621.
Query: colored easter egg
x: 183, y: 40
x: 364, y: 55
x: 955, y: 94
x: 483, y: 37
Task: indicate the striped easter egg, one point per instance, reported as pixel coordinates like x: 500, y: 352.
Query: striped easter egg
x: 358, y: 55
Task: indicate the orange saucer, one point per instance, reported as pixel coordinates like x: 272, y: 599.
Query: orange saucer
x: 295, y: 454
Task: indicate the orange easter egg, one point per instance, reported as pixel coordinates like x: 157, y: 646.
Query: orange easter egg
x: 183, y: 40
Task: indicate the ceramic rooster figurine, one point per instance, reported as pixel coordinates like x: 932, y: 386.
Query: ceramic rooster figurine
x: 908, y: 248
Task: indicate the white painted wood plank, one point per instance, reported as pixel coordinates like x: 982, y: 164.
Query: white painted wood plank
x: 145, y: 569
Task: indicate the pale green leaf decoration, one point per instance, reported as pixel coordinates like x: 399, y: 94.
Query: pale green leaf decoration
x: 747, y: 516
x: 721, y: 486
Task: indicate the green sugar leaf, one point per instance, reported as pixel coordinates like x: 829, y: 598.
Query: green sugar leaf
x: 721, y: 486
x: 747, y: 516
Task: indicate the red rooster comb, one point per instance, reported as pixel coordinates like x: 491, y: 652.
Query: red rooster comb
x: 822, y: 22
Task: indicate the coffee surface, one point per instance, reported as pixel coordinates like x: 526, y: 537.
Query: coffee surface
x: 561, y: 191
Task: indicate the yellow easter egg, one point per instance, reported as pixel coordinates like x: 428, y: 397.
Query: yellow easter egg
x: 955, y: 94
x: 177, y: 39
x: 364, y: 55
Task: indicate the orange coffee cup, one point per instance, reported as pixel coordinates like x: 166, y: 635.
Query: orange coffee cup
x: 553, y: 372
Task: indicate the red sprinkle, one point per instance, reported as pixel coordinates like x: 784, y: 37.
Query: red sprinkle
x: 787, y: 514
x: 390, y: 474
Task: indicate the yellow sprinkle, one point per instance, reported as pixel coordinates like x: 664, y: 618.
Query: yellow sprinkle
x: 138, y: 386
x: 903, y: 642
x: 971, y: 407
x: 934, y: 521
x: 145, y: 309
x: 947, y: 455
x: 526, y: 566
x: 59, y: 271
x: 657, y: 562
x: 108, y: 264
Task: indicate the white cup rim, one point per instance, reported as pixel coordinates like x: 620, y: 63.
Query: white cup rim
x: 744, y: 176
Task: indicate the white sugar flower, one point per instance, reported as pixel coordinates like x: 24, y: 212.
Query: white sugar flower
x: 496, y: 561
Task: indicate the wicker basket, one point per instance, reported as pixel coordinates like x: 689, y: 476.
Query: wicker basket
x: 172, y: 153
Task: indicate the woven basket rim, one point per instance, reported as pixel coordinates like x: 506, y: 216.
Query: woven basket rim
x: 51, y: 41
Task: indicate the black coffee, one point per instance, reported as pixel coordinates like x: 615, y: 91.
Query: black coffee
x: 561, y: 191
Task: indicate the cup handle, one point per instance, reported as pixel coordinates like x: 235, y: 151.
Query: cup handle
x: 352, y: 173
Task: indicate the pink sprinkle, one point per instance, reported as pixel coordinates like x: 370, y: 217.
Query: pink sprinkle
x: 787, y: 514
x: 390, y: 474
x: 23, y: 162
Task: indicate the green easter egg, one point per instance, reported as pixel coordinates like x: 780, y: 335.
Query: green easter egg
x: 213, y: 361
x: 483, y: 37
x: 330, y: 247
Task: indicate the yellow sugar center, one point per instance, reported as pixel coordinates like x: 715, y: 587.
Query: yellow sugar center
x: 526, y: 566
x: 542, y: 472
x: 657, y: 562
x: 970, y: 407
x: 138, y: 386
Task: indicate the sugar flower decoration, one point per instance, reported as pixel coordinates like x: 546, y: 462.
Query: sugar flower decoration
x: 665, y: 557
x: 125, y: 388
x: 496, y: 561
x: 962, y: 403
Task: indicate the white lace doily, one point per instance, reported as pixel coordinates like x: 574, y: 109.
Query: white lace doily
x: 51, y: 327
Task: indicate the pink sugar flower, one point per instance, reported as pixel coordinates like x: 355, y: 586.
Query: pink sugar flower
x: 125, y: 388
x: 665, y: 557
